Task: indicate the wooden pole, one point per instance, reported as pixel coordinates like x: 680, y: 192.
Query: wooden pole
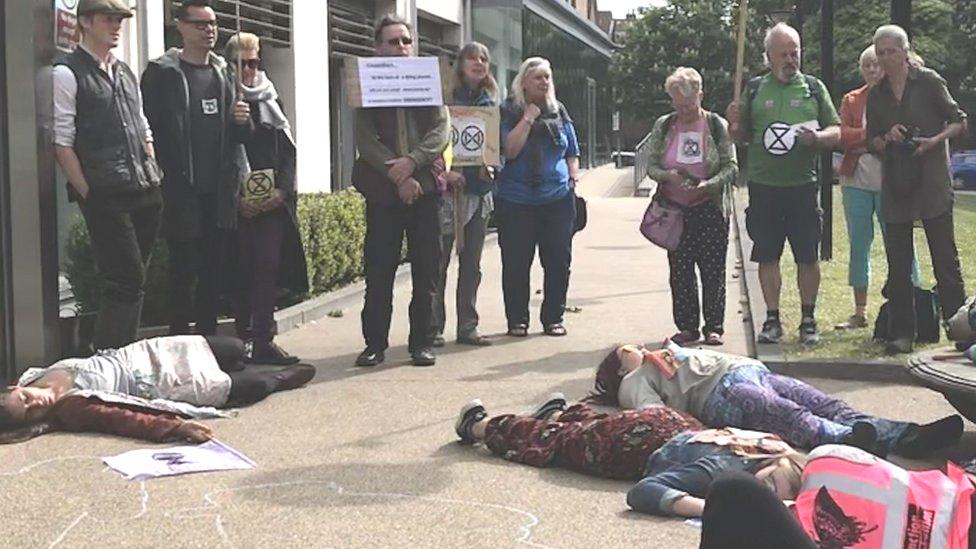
x: 240, y: 73
x: 459, y: 219
x: 740, y: 50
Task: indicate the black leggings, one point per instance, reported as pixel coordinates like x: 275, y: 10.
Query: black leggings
x: 740, y: 511
x: 247, y: 385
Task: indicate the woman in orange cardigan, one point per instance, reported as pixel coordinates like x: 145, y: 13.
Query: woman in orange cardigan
x: 860, y: 179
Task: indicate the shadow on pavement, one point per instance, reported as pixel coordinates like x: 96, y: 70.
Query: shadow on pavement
x: 345, y: 484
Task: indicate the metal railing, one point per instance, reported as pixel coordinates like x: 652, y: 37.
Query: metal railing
x: 642, y: 157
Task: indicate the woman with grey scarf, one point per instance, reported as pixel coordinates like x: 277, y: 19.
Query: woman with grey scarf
x: 535, y: 204
x: 269, y: 248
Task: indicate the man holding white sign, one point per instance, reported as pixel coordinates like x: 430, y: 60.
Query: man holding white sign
x: 785, y: 117
x: 401, y: 173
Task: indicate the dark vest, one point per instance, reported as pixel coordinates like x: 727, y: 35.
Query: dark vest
x: 109, y: 134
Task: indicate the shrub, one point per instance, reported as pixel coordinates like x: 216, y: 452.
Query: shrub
x: 332, y: 227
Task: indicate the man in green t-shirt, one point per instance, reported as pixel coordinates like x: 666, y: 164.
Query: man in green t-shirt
x: 785, y: 117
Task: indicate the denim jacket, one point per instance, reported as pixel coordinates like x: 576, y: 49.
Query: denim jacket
x: 681, y: 468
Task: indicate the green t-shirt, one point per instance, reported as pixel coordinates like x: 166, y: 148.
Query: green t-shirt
x: 775, y: 157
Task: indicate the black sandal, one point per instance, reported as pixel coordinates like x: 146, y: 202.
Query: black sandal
x: 518, y: 330
x: 556, y: 329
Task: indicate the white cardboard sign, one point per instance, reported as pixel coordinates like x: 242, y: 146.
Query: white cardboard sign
x: 399, y: 82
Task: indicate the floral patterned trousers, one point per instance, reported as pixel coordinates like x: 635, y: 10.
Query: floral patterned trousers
x: 613, y: 445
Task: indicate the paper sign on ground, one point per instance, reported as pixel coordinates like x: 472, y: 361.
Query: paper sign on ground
x: 394, y: 82
x: 180, y: 460
x: 475, y: 136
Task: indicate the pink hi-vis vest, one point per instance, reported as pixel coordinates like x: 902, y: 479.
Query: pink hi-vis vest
x: 850, y: 498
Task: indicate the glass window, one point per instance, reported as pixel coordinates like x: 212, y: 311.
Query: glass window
x: 576, y: 68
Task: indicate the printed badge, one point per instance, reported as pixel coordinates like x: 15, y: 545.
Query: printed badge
x: 690, y: 148
x: 209, y: 105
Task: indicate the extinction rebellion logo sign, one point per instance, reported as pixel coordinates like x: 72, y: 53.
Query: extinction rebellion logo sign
x: 779, y: 138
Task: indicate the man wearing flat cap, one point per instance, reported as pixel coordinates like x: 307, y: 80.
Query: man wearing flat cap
x: 104, y: 146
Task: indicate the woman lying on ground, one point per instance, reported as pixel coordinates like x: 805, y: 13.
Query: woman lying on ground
x: 612, y: 445
x: 667, y: 449
x: 723, y: 390
x: 143, y: 390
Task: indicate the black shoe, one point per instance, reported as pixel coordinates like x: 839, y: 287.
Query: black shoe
x: 864, y: 436
x: 518, y: 330
x: 556, y: 329
x: 370, y: 357
x: 423, y: 357
x: 474, y: 339
x: 438, y: 341
x: 555, y: 402
x: 294, y: 377
x: 272, y: 355
x: 471, y: 413
x: 921, y: 440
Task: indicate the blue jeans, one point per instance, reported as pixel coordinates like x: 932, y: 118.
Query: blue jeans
x: 752, y: 397
x: 860, y: 208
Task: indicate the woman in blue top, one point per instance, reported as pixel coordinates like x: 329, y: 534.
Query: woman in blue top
x: 469, y: 191
x: 535, y: 201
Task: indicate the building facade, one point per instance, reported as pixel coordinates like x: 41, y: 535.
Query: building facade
x: 34, y: 212
x: 580, y: 53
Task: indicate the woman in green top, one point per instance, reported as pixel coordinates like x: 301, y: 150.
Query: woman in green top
x: 693, y: 161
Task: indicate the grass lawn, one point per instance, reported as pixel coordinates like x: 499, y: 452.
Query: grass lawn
x: 836, y: 300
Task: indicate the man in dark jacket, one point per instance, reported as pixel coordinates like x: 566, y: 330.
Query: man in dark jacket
x: 199, y: 124
x: 402, y: 183
x: 104, y: 146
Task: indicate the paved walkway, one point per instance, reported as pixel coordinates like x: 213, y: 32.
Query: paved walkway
x: 368, y: 458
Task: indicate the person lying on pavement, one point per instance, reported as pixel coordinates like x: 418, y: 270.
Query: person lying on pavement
x: 152, y: 389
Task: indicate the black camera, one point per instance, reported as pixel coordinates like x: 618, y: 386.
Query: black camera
x: 910, y: 143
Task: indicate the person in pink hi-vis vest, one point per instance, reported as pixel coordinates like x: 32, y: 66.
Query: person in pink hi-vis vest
x: 848, y: 499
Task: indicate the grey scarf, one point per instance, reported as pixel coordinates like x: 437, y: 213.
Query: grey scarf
x: 265, y: 95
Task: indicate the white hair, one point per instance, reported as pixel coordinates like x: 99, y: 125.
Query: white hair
x: 894, y: 32
x: 685, y: 80
x: 868, y: 53
x: 528, y: 67
x: 778, y: 29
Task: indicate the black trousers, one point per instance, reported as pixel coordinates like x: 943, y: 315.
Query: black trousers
x: 704, y: 243
x: 123, y: 231
x: 523, y: 228
x: 385, y: 228
x: 740, y: 512
x: 900, y: 249
x: 194, y: 268
x: 247, y: 385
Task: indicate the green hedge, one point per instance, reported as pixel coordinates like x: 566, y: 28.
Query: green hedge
x: 332, y: 227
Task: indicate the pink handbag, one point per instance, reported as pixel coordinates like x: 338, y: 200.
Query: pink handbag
x: 663, y: 223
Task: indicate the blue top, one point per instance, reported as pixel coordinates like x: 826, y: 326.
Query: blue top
x: 539, y: 174
x: 464, y: 96
x: 681, y: 468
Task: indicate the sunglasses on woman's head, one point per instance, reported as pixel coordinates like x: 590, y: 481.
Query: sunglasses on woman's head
x: 251, y: 63
x: 400, y: 40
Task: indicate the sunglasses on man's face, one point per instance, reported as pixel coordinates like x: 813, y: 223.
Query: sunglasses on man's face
x: 201, y: 24
x: 400, y: 40
x: 253, y: 64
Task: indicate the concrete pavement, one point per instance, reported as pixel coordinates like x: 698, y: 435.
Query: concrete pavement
x: 368, y: 458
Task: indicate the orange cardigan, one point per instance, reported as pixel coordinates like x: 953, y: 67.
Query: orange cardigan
x: 853, y: 134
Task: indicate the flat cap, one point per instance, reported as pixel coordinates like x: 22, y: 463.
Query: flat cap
x: 108, y: 7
